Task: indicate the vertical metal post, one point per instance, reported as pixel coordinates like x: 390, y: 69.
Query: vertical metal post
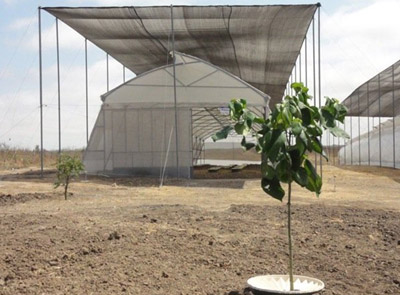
x: 319, y: 73
x: 369, y: 146
x: 108, y: 74
x: 87, y: 94
x: 300, y: 80
x: 333, y: 149
x: 394, y: 119
x: 306, y: 62
x: 123, y: 73
x: 380, y: 127
x: 40, y: 90
x: 104, y: 136
x: 314, y: 75
x: 291, y: 82
x: 58, y: 88
x: 345, y: 143
x: 351, y: 136
x: 359, y: 129
x: 175, y: 102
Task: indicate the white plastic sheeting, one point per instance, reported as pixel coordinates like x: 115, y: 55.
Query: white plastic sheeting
x: 376, y: 148
x: 135, y: 131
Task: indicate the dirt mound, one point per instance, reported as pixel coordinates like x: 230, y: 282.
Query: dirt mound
x: 7, y: 199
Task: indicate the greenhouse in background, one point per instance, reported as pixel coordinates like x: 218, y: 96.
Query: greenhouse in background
x: 373, y: 122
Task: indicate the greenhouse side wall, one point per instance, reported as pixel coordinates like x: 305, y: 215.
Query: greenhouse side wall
x: 140, y: 142
x: 379, y: 147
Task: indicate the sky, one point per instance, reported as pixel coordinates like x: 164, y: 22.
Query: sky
x: 359, y: 38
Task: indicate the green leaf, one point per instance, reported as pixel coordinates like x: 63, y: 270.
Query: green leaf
x: 241, y: 128
x: 316, y: 145
x: 297, y: 86
x: 338, y: 132
x: 249, y: 115
x: 247, y: 145
x: 341, y: 112
x: 300, y: 146
x: 295, y: 157
x: 259, y: 120
x: 273, y: 188
x: 283, y: 171
x: 303, y: 137
x: 296, y: 128
x: 236, y: 108
x: 306, y: 116
x: 267, y: 171
x: 300, y: 177
x: 328, y: 118
x: 278, y: 142
x: 314, y: 181
x: 222, y: 134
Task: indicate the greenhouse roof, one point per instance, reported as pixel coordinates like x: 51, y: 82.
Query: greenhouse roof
x: 378, y: 97
x: 259, y: 44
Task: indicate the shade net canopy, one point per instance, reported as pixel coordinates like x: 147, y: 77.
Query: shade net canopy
x: 259, y: 44
x: 378, y: 97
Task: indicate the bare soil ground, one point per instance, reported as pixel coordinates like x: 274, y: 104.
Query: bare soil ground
x: 204, y: 236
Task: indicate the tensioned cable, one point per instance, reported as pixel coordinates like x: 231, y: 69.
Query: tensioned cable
x: 230, y: 36
x: 148, y: 33
x: 353, y: 45
x: 22, y: 83
x: 16, y: 124
x: 17, y: 47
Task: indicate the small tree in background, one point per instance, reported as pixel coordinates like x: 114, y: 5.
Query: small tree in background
x: 67, y: 168
x: 291, y: 130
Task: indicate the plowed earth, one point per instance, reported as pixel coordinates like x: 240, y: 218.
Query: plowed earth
x: 128, y: 236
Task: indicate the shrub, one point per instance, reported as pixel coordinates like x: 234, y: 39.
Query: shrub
x: 67, y: 168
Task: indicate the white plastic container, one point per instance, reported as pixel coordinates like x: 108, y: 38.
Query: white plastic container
x: 279, y: 284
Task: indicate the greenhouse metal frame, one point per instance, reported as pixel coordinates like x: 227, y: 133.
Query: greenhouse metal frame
x: 374, y: 105
x: 264, y: 47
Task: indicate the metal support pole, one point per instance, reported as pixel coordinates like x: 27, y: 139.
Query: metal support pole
x: 319, y: 72
x: 40, y: 90
x: 300, y: 80
x: 394, y: 119
x: 380, y: 127
x: 306, y: 62
x: 291, y: 82
x: 359, y: 129
x: 175, y: 102
x: 87, y: 94
x: 314, y: 75
x: 369, y: 146
x: 345, y: 143
x: 58, y: 88
x: 333, y: 150
x: 351, y: 137
x: 108, y: 74
x: 123, y: 73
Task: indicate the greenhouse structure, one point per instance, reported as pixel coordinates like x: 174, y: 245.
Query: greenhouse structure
x: 374, y: 123
x: 135, y: 130
x: 189, y: 62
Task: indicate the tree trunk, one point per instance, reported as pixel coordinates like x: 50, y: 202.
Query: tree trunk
x: 66, y: 188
